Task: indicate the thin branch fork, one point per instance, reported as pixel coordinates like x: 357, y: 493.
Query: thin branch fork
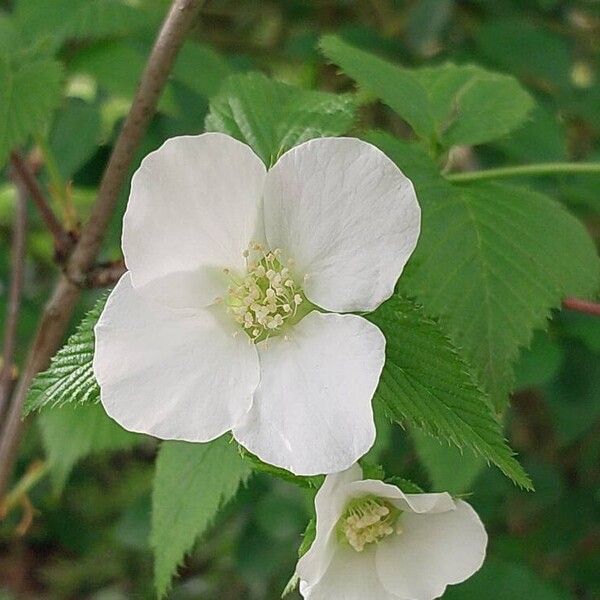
x: 63, y: 242
x: 57, y: 314
x: 15, y: 294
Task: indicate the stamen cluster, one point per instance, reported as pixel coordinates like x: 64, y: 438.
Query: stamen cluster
x: 368, y: 520
x: 267, y: 297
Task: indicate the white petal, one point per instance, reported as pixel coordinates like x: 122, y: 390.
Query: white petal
x: 172, y: 374
x: 351, y: 576
x: 312, y: 410
x: 193, y: 208
x: 417, y: 503
x: 348, y: 217
x: 330, y: 502
x: 433, y: 551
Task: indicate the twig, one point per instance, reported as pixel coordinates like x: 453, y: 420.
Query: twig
x: 62, y: 240
x: 57, y: 314
x: 582, y: 306
x: 13, y: 307
x: 105, y: 274
x: 526, y: 170
x: 151, y: 85
x: 36, y: 471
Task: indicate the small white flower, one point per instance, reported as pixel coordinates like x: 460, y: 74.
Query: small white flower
x: 375, y: 542
x: 226, y: 319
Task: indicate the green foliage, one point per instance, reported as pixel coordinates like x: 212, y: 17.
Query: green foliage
x: 426, y: 383
x: 272, y: 117
x: 70, y: 378
x: 499, y: 580
x: 258, y: 465
x: 405, y: 485
x: 445, y: 105
x: 308, y: 537
x: 70, y: 433
x: 191, y: 483
x: 71, y: 152
x: 60, y: 20
x: 30, y: 89
x: 201, y: 68
x: 492, y: 261
x: 450, y: 469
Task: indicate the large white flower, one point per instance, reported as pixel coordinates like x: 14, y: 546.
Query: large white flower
x: 226, y: 319
x: 375, y: 542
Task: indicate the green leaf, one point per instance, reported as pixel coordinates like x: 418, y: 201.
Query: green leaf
x: 450, y: 469
x: 252, y: 460
x: 272, y: 116
x: 447, y: 105
x: 70, y: 378
x: 192, y: 482
x: 397, y: 87
x: 72, y: 432
x: 308, y: 537
x: 30, y: 90
x: 72, y: 151
x: 427, y: 384
x: 405, y: 485
x: 492, y: 261
x: 59, y: 20
x: 201, y: 69
x: 116, y: 66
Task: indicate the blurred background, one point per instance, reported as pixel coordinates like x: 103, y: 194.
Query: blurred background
x: 90, y: 540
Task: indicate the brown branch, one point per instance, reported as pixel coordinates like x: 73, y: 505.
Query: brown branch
x: 582, y: 306
x: 57, y: 314
x: 62, y: 240
x: 13, y: 307
x: 105, y: 274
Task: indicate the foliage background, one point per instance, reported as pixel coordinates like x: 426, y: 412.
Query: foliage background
x: 92, y: 541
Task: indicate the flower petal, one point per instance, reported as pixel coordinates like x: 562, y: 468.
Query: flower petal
x: 330, y: 502
x: 312, y: 411
x: 172, y: 374
x: 351, y: 576
x: 417, y: 503
x: 193, y: 209
x: 433, y: 551
x: 348, y: 217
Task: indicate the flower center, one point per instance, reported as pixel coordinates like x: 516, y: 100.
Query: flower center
x: 267, y: 299
x: 367, y: 521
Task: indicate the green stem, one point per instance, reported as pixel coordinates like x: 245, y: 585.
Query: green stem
x: 525, y: 170
x: 58, y: 188
x: 34, y: 474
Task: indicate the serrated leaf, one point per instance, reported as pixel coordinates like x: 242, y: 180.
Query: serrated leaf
x: 30, y: 90
x: 450, y: 469
x: 272, y: 116
x: 427, y: 384
x: 191, y: 483
x: 405, y: 485
x: 445, y: 105
x: 255, y: 463
x: 72, y: 432
x: 70, y: 378
x: 492, y: 261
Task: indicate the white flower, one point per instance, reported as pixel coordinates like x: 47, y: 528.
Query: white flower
x: 215, y: 326
x: 374, y: 542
